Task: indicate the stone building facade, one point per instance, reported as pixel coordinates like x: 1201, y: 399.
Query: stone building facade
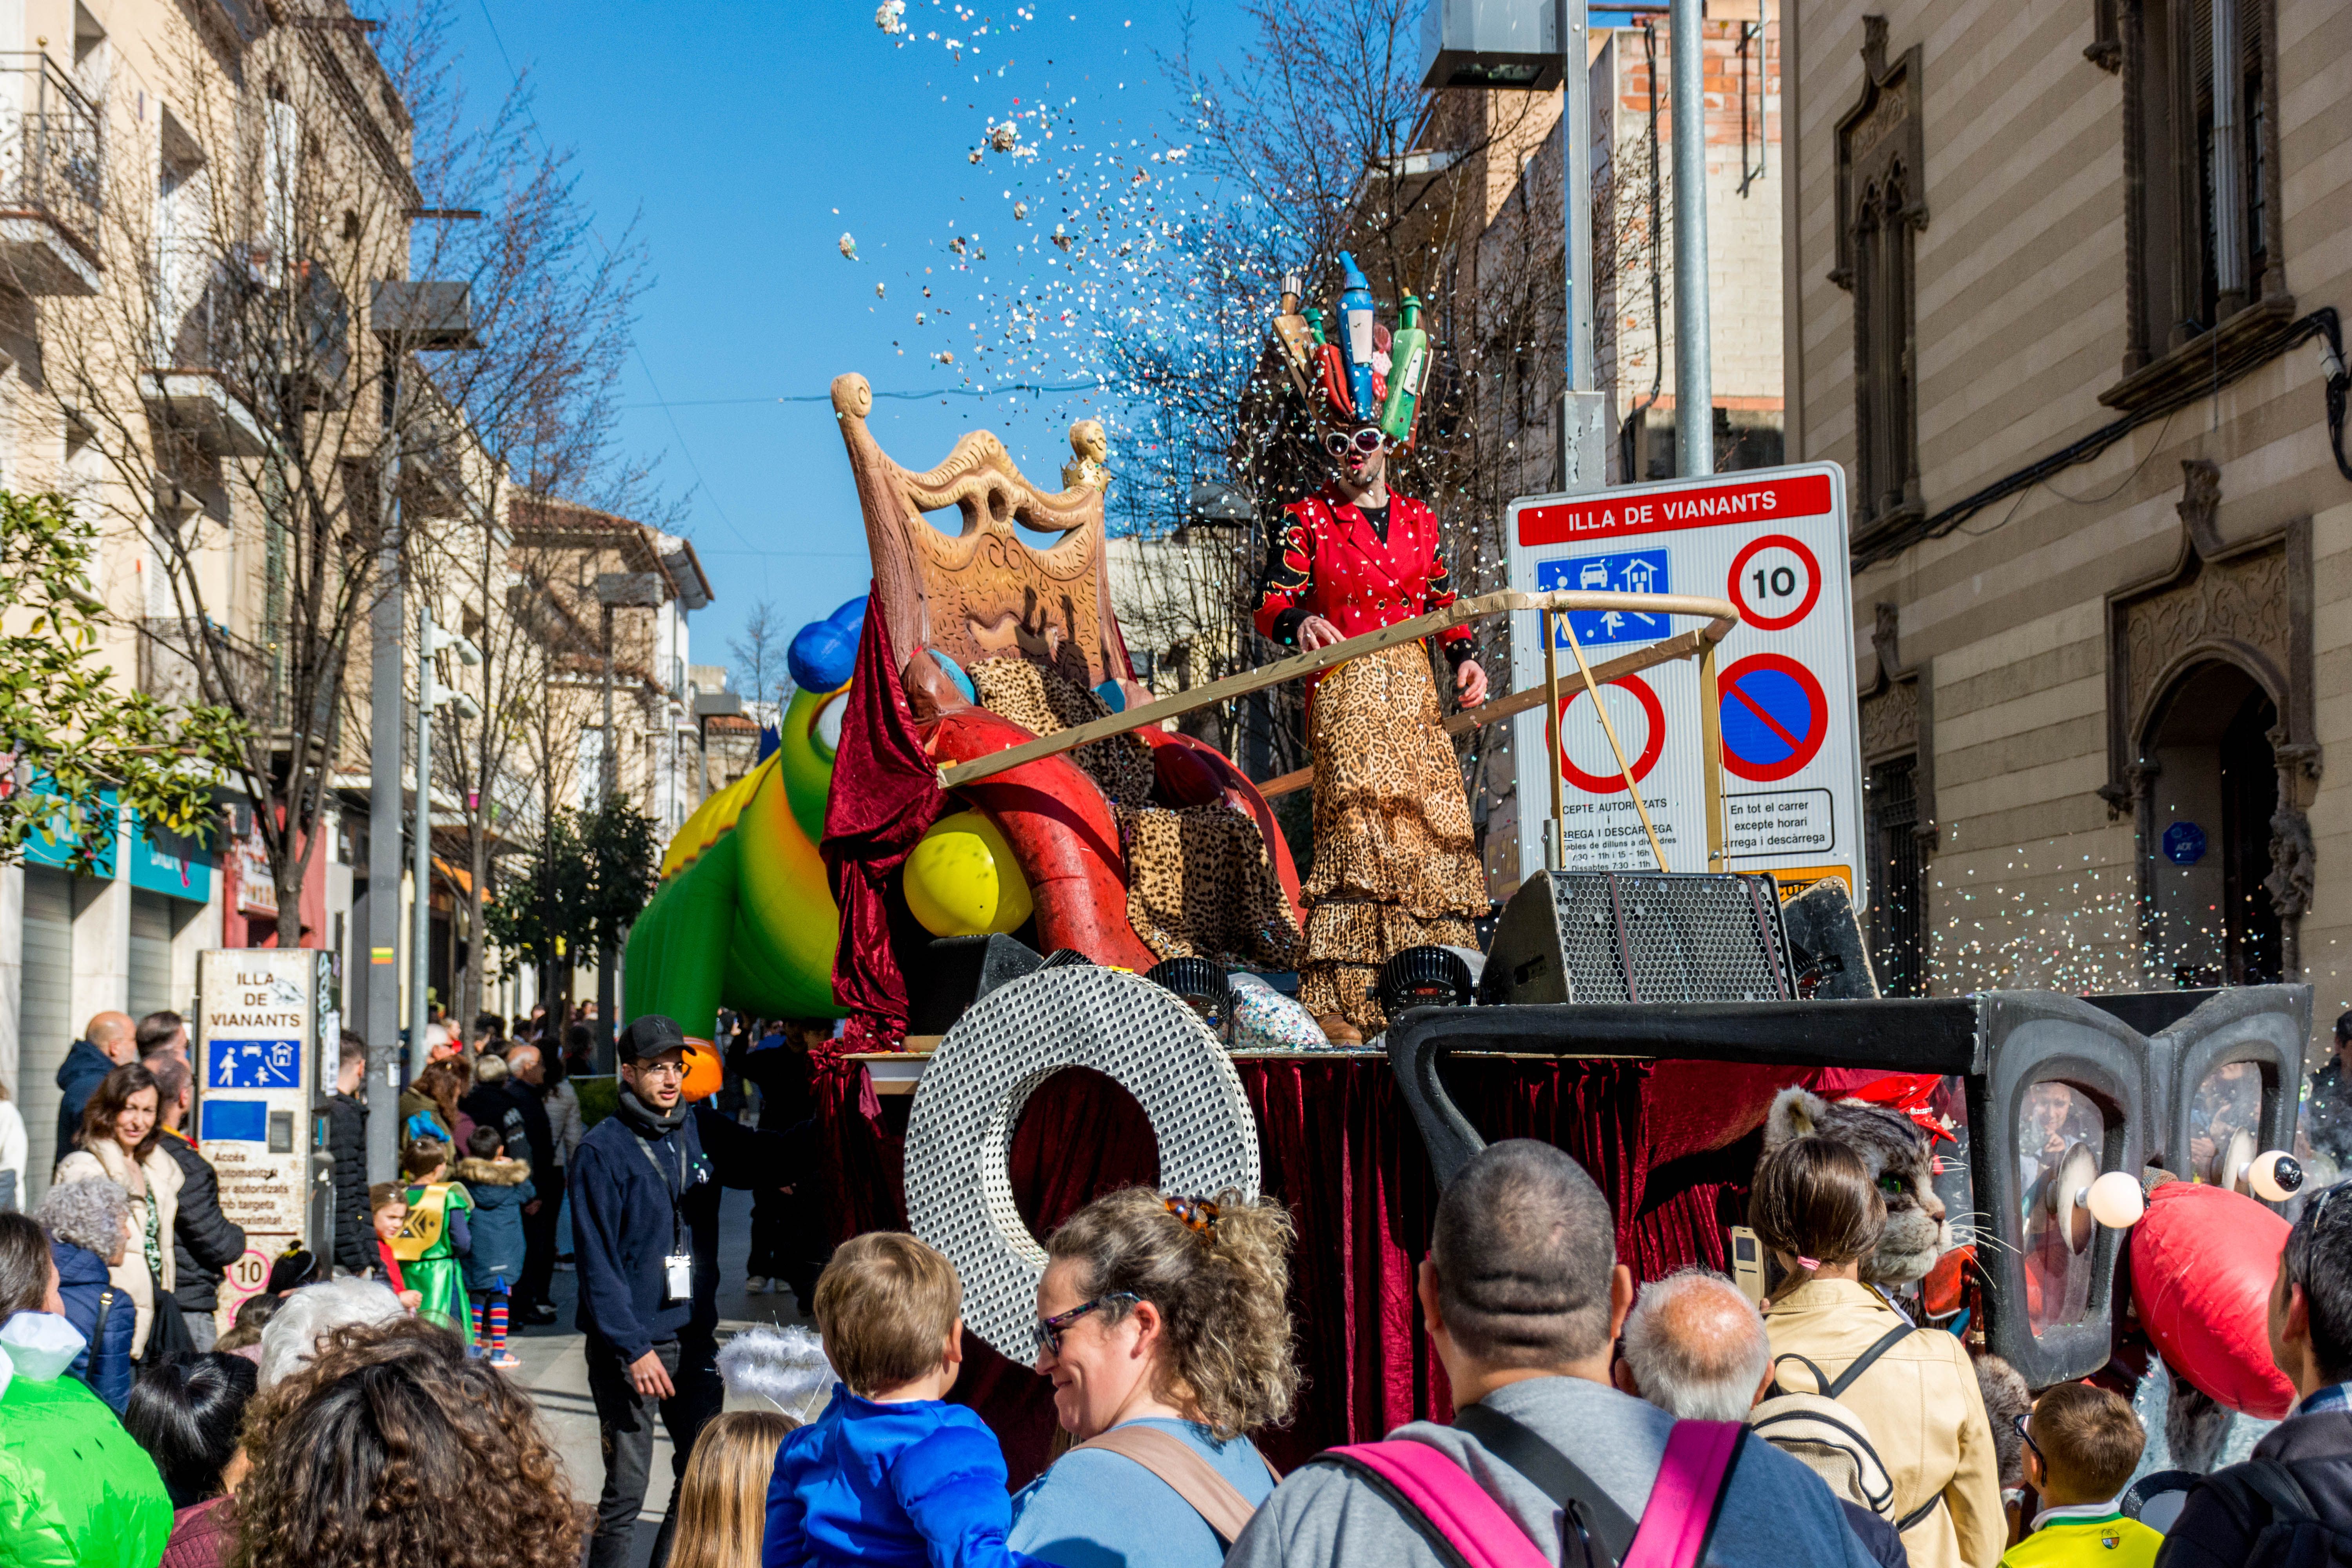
x: 2061, y: 310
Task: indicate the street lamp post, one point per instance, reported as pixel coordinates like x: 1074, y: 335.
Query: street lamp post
x: 405, y: 316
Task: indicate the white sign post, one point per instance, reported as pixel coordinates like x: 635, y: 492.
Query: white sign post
x: 266, y: 1025
x: 1773, y: 542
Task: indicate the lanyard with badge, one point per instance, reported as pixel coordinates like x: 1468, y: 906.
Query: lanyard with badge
x: 677, y: 1268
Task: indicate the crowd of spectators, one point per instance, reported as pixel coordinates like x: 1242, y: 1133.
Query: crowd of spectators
x: 336, y: 1422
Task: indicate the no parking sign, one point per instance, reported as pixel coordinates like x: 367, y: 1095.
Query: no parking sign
x: 1772, y: 541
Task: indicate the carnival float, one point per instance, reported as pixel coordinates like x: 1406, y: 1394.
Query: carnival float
x: 1064, y: 937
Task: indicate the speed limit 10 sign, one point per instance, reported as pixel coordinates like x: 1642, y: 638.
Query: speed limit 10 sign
x: 1773, y: 542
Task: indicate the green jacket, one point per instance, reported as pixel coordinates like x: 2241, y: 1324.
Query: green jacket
x: 74, y: 1491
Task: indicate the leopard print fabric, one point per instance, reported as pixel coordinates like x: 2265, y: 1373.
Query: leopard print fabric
x: 1042, y: 701
x: 1395, y: 864
x: 1198, y: 883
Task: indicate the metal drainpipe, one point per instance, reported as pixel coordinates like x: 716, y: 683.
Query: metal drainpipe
x: 1693, y: 377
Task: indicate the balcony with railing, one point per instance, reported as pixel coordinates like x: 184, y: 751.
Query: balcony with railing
x: 52, y: 178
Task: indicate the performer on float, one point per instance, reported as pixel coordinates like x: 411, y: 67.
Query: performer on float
x: 1395, y: 865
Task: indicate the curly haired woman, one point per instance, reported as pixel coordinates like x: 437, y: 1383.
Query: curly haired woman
x: 392, y: 1450
x: 1163, y: 1325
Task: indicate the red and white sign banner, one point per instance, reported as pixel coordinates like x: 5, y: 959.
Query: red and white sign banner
x: 1773, y: 542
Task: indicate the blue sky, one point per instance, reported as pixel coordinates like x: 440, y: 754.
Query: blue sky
x: 747, y: 138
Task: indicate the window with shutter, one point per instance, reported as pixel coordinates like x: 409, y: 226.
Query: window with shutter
x: 2200, y: 123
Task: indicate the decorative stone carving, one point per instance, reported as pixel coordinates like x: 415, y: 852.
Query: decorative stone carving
x: 2201, y: 499
x: 2105, y: 49
x: 1890, y: 720
x: 2293, y: 858
x: 1884, y: 132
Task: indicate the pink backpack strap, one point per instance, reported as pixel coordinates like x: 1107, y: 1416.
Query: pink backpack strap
x: 1685, y: 1498
x: 1422, y: 1481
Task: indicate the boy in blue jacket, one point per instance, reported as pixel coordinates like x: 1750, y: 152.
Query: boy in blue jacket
x: 890, y: 1473
x: 500, y: 1187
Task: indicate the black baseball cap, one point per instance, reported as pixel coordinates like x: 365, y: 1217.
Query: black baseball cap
x: 649, y: 1034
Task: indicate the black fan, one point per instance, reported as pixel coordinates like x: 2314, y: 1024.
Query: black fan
x: 1425, y: 978
x: 1203, y: 985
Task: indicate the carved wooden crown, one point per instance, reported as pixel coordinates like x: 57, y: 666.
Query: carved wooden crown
x: 982, y: 592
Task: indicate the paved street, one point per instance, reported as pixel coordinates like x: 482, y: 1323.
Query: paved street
x: 555, y: 1367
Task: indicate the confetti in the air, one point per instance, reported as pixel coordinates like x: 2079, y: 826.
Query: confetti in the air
x: 848, y: 244
x: 891, y: 15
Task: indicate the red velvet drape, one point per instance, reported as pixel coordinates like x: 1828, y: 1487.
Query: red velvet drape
x: 886, y: 794
x: 1672, y: 1146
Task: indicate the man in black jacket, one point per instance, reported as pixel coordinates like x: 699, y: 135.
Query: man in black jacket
x: 204, y: 1242
x: 526, y: 1081
x: 2225, y: 1517
x: 346, y: 1111
x: 109, y: 1041
x: 644, y: 1191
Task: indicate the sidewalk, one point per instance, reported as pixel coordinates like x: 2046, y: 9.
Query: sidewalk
x: 555, y: 1368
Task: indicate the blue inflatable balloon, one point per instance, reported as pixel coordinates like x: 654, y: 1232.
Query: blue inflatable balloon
x: 850, y: 617
x: 823, y: 655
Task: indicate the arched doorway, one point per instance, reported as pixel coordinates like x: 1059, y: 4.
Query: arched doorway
x: 2211, y: 788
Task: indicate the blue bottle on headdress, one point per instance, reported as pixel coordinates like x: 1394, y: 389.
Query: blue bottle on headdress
x: 1356, y: 336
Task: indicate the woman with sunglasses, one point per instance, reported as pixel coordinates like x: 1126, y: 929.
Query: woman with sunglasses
x: 1162, y: 1324
x: 1395, y: 865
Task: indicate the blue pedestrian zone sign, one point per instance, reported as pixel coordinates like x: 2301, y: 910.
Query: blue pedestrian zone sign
x: 1623, y: 572
x: 255, y: 1064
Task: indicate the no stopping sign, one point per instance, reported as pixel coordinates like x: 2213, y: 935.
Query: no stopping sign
x: 1774, y: 716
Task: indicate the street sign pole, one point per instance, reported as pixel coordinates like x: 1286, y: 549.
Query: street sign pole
x: 1693, y: 371
x: 385, y: 697
x: 1582, y: 414
x: 420, y: 939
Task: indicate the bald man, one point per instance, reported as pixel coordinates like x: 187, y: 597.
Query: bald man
x: 110, y: 1040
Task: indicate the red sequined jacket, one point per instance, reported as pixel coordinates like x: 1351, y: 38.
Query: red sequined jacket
x: 1327, y: 559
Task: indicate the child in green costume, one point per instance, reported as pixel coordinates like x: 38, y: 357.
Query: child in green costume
x: 434, y: 1237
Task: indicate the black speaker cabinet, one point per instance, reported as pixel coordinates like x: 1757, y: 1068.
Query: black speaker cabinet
x: 1640, y: 936
x: 958, y: 971
x: 1826, y: 946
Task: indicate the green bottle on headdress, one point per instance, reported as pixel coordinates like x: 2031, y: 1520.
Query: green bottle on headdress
x: 1407, y: 373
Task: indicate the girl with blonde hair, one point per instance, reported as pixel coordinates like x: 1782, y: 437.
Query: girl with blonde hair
x: 722, y: 1503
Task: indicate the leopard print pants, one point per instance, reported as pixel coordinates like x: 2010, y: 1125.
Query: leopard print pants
x: 1395, y: 864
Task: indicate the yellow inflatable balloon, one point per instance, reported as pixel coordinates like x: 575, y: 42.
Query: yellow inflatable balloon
x: 962, y: 880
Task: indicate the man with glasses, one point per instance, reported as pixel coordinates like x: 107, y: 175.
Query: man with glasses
x: 645, y: 1225
x: 2292, y: 1502
x: 1395, y: 865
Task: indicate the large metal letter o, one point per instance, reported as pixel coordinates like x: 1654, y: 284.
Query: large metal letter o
x: 960, y: 1131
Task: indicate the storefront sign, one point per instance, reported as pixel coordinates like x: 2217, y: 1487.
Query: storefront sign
x: 54, y: 841
x: 173, y: 864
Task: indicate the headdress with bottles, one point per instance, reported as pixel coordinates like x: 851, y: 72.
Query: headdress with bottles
x: 1352, y: 371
